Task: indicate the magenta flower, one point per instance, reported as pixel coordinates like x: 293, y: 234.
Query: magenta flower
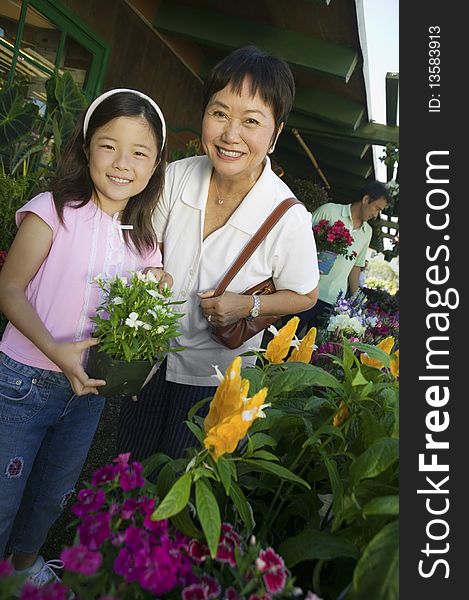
x: 79, y: 559
x: 231, y: 594
x: 193, y: 592
x: 274, y: 572
x: 103, y: 475
x: 130, y: 477
x: 124, y: 565
x: 228, y: 540
x: 52, y: 591
x: 260, y: 597
x: 88, y: 501
x: 198, y: 551
x: 211, y: 586
x: 94, y: 530
x: 6, y: 568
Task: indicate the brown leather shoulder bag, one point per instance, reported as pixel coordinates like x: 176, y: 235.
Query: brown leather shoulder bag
x: 234, y: 335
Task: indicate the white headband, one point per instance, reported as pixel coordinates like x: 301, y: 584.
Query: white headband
x: 92, y: 107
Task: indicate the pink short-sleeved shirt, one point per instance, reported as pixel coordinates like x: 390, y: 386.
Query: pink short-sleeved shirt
x: 63, y: 292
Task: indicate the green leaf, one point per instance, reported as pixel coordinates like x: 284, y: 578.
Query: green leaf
x: 153, y: 462
x: 315, y: 545
x: 175, y: 500
x: 359, y: 379
x: 184, y: 523
x: 384, y: 505
x: 199, y: 434
x: 17, y: 117
x: 377, y: 458
x: 377, y: 572
x: 256, y: 379
x: 373, y: 352
x: 298, y: 376
x: 337, y: 487
x: 315, y: 403
x: 265, y: 455
x: 243, y: 506
x: 282, y: 472
x: 259, y: 440
x: 209, y: 515
x: 196, y: 407
x: 223, y: 469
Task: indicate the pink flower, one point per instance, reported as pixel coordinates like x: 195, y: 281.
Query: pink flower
x: 231, y: 594
x: 79, y: 559
x: 94, y: 530
x: 6, y: 568
x: 52, y: 591
x: 311, y: 596
x: 198, y: 551
x: 228, y: 540
x: 274, y: 572
x: 124, y: 565
x: 130, y: 477
x: 88, y: 501
x: 262, y: 597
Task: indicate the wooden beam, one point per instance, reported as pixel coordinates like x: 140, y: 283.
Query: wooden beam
x: 329, y: 107
x: 368, y: 133
x: 216, y: 29
x: 392, y: 95
x: 326, y: 156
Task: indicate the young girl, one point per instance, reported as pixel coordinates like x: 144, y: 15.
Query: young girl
x: 96, y: 220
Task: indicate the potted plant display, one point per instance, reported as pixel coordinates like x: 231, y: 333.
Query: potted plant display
x: 134, y: 325
x: 332, y: 241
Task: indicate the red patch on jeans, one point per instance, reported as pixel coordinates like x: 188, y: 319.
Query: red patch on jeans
x: 14, y: 467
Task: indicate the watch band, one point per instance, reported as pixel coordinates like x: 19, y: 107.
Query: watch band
x: 256, y: 307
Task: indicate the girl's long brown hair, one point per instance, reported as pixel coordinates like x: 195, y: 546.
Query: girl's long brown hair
x: 73, y: 185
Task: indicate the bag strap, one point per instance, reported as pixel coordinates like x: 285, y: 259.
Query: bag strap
x: 254, y: 242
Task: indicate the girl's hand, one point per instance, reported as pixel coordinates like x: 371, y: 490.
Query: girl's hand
x: 68, y: 356
x: 225, y: 309
x: 161, y: 275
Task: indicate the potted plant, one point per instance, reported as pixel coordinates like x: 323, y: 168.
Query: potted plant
x: 332, y: 241
x: 134, y: 325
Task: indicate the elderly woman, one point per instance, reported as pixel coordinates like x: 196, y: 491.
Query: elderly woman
x: 211, y: 207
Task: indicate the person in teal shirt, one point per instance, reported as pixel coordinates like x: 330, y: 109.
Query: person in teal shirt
x: 345, y: 274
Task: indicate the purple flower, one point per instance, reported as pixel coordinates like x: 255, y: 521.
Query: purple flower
x: 88, y: 501
x: 94, y: 530
x: 103, y: 475
x: 124, y: 565
x: 274, y: 572
x: 52, y: 591
x: 79, y: 559
x: 6, y: 568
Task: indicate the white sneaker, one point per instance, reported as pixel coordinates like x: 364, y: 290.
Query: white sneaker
x: 41, y: 572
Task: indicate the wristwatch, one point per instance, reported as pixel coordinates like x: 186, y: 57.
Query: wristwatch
x: 256, y: 308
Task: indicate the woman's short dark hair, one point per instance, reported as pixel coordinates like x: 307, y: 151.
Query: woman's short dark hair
x: 271, y: 77
x: 73, y: 184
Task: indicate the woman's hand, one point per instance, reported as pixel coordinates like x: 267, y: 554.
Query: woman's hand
x: 161, y: 275
x: 225, y: 309
x: 67, y: 356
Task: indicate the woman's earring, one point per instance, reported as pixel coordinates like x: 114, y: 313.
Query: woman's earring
x: 272, y: 148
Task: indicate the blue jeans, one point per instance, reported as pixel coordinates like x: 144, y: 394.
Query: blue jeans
x: 45, y: 434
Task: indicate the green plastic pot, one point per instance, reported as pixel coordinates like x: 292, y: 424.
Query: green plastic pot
x: 122, y: 378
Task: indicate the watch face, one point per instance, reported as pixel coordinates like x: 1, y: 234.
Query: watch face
x: 256, y: 309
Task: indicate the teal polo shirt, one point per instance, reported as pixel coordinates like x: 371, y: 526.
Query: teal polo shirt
x: 337, y: 279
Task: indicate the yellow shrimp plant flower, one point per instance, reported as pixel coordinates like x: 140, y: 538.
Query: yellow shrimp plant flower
x: 386, y: 345
x: 279, y: 345
x: 341, y: 415
x: 231, y: 411
x: 395, y: 364
x: 305, y: 348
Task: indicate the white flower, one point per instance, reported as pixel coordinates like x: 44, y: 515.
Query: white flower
x: 155, y: 294
x: 151, y: 277
x: 140, y: 276
x: 273, y: 330
x: 218, y: 373
x: 132, y: 320
x: 151, y: 312
x: 161, y: 329
x: 118, y: 300
x: 249, y: 415
x: 123, y: 280
x: 147, y: 326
